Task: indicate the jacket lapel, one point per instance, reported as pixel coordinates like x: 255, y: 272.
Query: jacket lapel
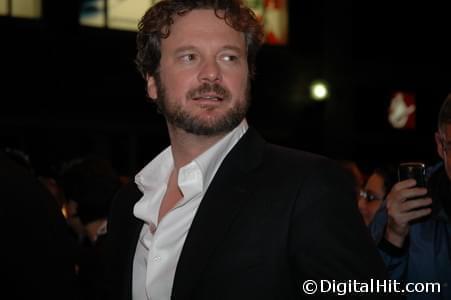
x: 229, y: 189
x: 129, y: 229
x: 133, y: 237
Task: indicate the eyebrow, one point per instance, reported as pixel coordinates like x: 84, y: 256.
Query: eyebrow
x: 233, y: 48
x: 190, y: 48
x: 184, y: 48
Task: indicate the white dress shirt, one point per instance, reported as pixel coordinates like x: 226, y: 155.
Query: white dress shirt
x: 160, y: 244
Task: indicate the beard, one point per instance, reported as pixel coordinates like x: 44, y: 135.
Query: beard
x: 182, y: 118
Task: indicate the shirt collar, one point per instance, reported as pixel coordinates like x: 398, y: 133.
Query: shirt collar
x: 157, y: 172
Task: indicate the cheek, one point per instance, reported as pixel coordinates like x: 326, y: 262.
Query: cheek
x: 362, y: 204
x: 236, y: 81
x: 177, y: 85
x: 240, y: 89
x: 374, y: 206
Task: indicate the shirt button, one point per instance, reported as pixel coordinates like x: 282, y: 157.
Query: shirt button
x: 156, y: 258
x: 152, y: 228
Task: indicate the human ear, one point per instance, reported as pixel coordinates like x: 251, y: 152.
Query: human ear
x: 151, y: 87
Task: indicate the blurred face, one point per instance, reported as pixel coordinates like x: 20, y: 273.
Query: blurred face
x: 443, y: 142
x: 202, y: 84
x: 371, y: 197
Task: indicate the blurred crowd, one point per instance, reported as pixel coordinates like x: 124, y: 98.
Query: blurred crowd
x: 63, y: 223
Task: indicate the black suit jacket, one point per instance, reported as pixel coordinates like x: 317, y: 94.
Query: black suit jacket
x: 271, y: 218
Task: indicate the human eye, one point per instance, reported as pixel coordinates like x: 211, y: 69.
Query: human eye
x: 372, y: 197
x: 188, y: 57
x: 369, y: 196
x: 231, y: 58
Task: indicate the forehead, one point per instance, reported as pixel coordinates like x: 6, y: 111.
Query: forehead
x: 375, y: 183
x: 201, y: 27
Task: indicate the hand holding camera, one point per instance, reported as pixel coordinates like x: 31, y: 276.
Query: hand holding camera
x: 407, y: 202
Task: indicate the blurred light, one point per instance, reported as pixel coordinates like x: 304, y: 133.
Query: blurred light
x: 92, y: 13
x: 4, y: 8
x: 26, y: 8
x: 125, y: 15
x: 319, y: 90
x: 64, y: 212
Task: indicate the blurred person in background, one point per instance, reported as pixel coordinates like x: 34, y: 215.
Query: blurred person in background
x: 353, y: 168
x: 376, y: 188
x: 38, y: 251
x: 414, y: 235
x: 89, y: 185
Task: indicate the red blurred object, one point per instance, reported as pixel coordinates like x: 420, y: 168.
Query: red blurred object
x: 276, y: 21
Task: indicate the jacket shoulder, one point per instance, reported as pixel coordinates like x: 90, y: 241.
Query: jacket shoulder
x: 298, y: 161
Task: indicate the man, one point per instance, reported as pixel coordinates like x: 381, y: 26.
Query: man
x: 221, y: 214
x: 414, y: 236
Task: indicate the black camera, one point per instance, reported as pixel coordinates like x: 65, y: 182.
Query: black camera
x: 413, y: 170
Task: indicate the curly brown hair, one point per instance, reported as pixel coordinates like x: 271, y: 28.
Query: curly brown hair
x: 156, y: 22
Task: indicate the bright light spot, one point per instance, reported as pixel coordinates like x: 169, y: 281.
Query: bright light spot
x: 319, y: 90
x: 402, y: 107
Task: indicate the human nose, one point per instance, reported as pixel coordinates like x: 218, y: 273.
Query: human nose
x: 210, y: 71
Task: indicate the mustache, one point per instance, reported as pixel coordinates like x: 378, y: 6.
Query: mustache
x: 205, y: 88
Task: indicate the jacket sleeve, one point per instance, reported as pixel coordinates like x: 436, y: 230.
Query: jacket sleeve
x: 395, y: 258
x: 328, y: 239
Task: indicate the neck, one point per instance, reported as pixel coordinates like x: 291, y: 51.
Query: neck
x: 187, y: 146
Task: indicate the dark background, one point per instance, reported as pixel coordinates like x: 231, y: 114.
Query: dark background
x: 67, y: 90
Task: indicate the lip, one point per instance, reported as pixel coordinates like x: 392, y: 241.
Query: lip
x: 211, y: 97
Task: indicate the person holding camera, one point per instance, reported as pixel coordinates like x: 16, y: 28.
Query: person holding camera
x: 413, y: 226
